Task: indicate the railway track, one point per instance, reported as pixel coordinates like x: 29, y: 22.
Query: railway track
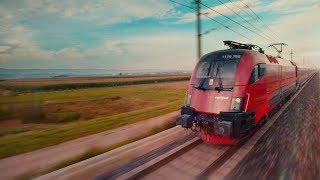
x: 193, y: 159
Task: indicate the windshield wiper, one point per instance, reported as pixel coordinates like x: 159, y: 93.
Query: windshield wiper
x: 204, y: 79
x: 201, y: 88
x: 220, y: 87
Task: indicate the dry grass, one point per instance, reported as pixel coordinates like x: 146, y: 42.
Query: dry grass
x: 98, y: 108
x: 40, y: 112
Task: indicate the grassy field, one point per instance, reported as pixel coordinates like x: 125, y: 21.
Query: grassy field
x: 141, y: 92
x: 66, y: 115
x: 32, y: 140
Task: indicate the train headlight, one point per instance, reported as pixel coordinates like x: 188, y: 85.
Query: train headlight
x: 236, y: 104
x: 188, y: 99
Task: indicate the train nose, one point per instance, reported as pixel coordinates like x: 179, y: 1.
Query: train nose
x: 212, y: 102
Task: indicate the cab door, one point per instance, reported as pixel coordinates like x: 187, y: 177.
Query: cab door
x: 251, y: 94
x: 260, y: 87
x: 257, y: 90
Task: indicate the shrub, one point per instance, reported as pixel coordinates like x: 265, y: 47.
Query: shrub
x: 34, y: 113
x: 62, y: 117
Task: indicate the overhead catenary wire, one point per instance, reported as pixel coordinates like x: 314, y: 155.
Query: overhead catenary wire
x: 260, y: 19
x: 211, y: 19
x: 182, y: 4
x: 274, y: 35
x: 268, y: 40
x: 266, y: 35
x: 227, y: 27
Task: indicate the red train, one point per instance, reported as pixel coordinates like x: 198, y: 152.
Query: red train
x: 234, y: 90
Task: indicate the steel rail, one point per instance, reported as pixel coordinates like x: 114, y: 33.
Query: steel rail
x: 141, y: 165
x: 165, y: 161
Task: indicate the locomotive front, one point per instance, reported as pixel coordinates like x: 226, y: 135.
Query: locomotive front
x: 215, y: 103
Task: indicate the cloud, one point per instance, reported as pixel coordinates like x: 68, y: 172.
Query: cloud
x: 153, y: 50
x: 19, y: 41
x: 160, y: 51
x: 101, y: 11
x: 175, y: 50
x: 286, y: 6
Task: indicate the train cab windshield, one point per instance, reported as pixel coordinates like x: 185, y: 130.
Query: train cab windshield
x: 216, y: 74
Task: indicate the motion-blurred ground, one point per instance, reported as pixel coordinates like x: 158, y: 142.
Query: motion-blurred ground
x: 290, y: 149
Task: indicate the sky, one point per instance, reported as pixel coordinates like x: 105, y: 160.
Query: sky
x: 148, y: 34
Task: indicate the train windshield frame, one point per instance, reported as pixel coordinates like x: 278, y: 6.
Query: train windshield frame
x: 217, y: 73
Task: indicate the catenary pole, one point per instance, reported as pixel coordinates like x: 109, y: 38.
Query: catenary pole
x: 198, y: 28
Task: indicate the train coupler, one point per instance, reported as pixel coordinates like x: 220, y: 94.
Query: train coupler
x: 186, y: 119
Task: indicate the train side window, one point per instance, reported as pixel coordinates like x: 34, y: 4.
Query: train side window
x: 254, y: 75
x: 262, y: 70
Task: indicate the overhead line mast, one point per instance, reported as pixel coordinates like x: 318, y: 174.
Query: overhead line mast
x: 199, y: 34
x: 198, y: 28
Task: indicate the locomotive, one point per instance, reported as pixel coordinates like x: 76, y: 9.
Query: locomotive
x: 232, y: 91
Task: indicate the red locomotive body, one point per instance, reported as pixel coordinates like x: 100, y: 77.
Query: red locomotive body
x: 232, y: 91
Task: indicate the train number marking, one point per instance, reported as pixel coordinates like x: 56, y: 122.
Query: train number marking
x: 230, y: 56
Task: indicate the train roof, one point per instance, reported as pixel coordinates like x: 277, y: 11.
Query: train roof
x: 258, y: 52
x: 268, y: 59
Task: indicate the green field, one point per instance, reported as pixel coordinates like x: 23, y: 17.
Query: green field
x: 161, y: 101
x: 148, y: 93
